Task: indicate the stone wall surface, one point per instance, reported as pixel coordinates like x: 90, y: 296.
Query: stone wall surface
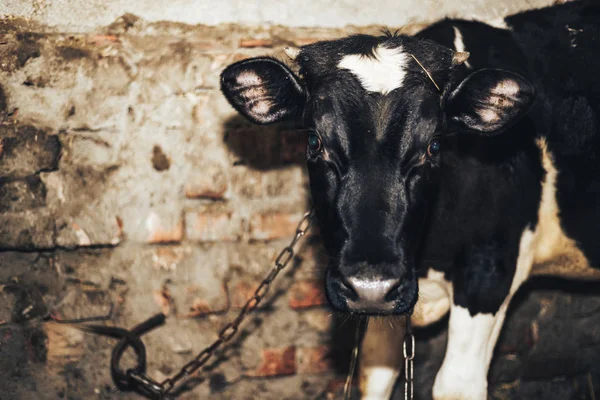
x: 129, y: 187
x: 86, y: 15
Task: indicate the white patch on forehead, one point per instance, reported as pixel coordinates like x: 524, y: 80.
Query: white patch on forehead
x: 459, y: 44
x: 382, y: 72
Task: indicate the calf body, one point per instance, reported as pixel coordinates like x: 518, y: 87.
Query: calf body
x: 443, y: 178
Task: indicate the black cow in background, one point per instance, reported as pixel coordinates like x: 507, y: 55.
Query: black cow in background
x: 442, y: 181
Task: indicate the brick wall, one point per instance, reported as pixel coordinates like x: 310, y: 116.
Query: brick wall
x: 126, y: 179
x: 127, y: 182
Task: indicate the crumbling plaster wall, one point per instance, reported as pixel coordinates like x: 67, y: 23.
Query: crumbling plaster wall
x: 85, y: 15
x: 126, y: 180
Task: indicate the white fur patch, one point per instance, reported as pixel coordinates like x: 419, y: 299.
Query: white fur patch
x: 498, y: 23
x: 459, y: 44
x: 463, y: 375
x: 554, y: 253
x: 472, y: 339
x: 381, y: 73
x: 379, y: 382
x: 434, y: 299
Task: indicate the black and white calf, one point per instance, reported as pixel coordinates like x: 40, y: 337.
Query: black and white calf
x: 444, y: 178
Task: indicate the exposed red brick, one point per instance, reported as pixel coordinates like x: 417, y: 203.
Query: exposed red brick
x: 256, y: 43
x: 273, y: 225
x: 103, y: 40
x: 167, y: 258
x: 198, y: 306
x: 207, y: 227
x: 276, y: 362
x: 305, y: 294
x: 210, y: 183
x: 160, y: 232
x: 164, y: 299
x: 314, y: 360
x: 242, y: 291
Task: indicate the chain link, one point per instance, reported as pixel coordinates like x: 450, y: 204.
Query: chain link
x: 229, y: 331
x: 409, y: 356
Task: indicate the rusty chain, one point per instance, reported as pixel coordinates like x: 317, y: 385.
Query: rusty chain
x: 136, y: 378
x: 229, y: 331
x: 409, y: 356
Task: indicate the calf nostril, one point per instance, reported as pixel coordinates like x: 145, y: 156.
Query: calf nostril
x: 394, y: 291
x: 348, y: 289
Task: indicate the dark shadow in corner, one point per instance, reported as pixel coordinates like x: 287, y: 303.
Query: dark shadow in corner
x: 264, y: 147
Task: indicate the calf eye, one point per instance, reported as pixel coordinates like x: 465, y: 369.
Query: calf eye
x: 433, y: 148
x: 314, y: 142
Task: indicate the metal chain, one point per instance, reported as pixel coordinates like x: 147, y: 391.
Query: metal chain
x: 229, y: 331
x: 409, y: 356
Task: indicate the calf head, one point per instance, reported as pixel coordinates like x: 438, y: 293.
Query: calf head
x: 378, y: 110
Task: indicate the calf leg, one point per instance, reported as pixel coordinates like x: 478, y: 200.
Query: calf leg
x: 380, y: 360
x: 480, y: 299
x: 471, y: 341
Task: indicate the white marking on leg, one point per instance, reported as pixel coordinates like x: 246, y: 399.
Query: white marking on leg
x: 463, y: 373
x: 382, y: 72
x: 380, y: 359
x: 472, y: 339
x: 379, y: 382
x: 459, y: 44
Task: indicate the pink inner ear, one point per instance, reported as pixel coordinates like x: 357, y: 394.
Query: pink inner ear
x: 254, y: 91
x: 262, y: 107
x: 502, y: 96
x: 488, y: 115
x: 248, y: 78
x: 506, y: 87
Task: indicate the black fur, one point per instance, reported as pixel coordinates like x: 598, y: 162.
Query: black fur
x: 390, y: 210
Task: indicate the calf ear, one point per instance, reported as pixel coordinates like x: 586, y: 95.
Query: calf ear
x: 489, y: 101
x: 263, y: 90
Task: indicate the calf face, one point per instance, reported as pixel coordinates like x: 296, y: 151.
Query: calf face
x: 378, y: 110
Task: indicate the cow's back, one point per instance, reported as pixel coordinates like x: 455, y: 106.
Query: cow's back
x: 558, y: 49
x: 562, y: 45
